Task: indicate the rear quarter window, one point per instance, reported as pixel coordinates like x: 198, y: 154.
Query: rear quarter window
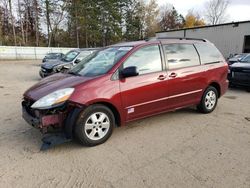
x: 209, y: 53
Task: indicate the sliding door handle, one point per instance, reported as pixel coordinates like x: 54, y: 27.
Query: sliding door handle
x: 173, y: 75
x: 161, y: 77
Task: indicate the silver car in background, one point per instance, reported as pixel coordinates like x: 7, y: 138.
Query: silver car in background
x: 70, y: 59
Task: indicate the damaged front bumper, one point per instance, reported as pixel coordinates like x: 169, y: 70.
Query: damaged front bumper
x: 42, y: 120
x: 56, y: 124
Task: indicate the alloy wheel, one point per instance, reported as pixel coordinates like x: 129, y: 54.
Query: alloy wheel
x: 210, y: 100
x: 97, y: 126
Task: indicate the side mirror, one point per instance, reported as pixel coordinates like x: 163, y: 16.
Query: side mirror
x: 129, y: 72
x: 77, y: 61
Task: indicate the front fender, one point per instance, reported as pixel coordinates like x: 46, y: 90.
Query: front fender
x: 71, y: 120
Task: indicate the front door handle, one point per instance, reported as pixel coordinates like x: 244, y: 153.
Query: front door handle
x: 161, y: 77
x: 172, y: 75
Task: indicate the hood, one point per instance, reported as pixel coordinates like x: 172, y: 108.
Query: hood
x: 240, y: 67
x: 234, y: 59
x: 53, y: 83
x: 52, y: 63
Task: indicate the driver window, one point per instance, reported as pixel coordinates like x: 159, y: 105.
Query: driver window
x: 146, y: 59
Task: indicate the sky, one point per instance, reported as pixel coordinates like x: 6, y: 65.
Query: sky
x: 238, y: 10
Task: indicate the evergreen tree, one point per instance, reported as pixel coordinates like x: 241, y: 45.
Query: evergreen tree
x: 170, y: 19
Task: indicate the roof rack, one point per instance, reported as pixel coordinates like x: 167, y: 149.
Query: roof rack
x: 182, y: 38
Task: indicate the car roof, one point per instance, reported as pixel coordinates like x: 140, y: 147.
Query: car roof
x: 84, y: 49
x: 242, y: 54
x: 88, y: 49
x: 163, y: 40
x: 54, y: 53
x: 239, y: 56
x: 166, y: 40
x: 151, y: 40
x: 132, y: 43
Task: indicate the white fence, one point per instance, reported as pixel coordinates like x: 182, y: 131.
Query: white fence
x: 16, y: 52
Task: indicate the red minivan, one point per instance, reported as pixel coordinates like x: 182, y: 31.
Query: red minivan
x: 126, y: 82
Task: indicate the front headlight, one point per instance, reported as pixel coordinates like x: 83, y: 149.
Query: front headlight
x: 54, y: 98
x: 57, y: 68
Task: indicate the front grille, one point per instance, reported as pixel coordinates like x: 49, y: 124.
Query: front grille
x: 47, y: 70
x: 241, y: 75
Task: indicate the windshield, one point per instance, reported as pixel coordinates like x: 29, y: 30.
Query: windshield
x: 246, y: 59
x: 84, y: 54
x: 237, y: 57
x: 70, y: 56
x: 100, y: 62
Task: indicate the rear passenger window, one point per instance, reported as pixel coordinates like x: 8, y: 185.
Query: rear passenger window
x: 208, y: 53
x: 181, y: 55
x: 146, y: 59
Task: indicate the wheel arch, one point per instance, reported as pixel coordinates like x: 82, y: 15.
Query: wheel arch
x: 115, y: 111
x: 75, y: 112
x: 217, y: 86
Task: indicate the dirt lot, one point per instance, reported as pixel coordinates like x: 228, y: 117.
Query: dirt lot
x: 177, y: 149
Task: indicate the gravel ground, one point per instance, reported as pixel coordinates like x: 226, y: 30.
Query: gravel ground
x: 176, y: 149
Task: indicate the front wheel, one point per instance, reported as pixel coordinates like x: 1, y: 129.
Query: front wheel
x: 94, y: 125
x: 209, y: 100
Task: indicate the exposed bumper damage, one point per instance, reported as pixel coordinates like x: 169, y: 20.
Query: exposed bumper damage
x: 55, y: 124
x: 52, y: 140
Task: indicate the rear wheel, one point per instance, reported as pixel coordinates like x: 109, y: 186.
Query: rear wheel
x: 94, y: 125
x: 209, y: 100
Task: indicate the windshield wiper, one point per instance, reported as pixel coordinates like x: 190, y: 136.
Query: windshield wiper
x: 74, y: 73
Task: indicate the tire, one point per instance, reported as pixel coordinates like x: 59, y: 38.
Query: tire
x: 209, y: 100
x: 94, y: 125
x: 41, y: 74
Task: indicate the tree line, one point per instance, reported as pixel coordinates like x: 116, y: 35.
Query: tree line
x: 88, y: 23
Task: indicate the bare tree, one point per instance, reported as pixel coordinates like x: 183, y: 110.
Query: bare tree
x: 35, y: 7
x: 26, y: 23
x: 47, y: 8
x: 216, y: 11
x: 21, y: 21
x: 12, y: 22
x: 5, y: 24
x: 55, y: 18
x: 25, y: 5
